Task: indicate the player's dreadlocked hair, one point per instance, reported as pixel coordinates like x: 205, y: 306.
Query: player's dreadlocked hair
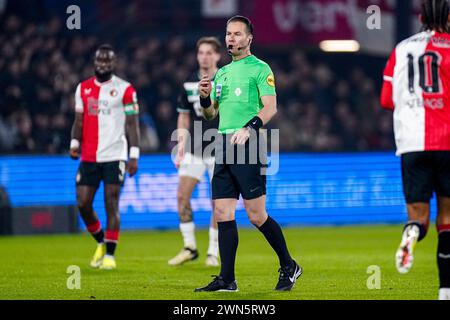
x: 435, y: 15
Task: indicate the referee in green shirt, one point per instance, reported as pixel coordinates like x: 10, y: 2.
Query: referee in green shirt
x: 243, y: 94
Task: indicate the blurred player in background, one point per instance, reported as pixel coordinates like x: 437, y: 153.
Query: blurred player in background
x: 192, y: 163
x: 417, y: 88
x: 244, y: 95
x: 105, y: 106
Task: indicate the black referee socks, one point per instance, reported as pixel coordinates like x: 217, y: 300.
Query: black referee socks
x: 443, y: 257
x: 228, y: 243
x: 272, y: 231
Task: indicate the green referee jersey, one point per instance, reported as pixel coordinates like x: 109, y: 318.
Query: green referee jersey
x: 238, y: 88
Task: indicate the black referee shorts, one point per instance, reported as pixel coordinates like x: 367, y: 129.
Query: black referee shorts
x: 240, y: 169
x: 424, y: 173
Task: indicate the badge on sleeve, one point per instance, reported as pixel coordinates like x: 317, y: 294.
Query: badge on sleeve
x: 270, y: 80
x: 218, y: 91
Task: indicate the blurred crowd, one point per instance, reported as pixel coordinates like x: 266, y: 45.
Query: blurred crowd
x: 319, y: 109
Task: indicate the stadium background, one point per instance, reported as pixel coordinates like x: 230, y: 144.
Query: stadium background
x: 337, y: 163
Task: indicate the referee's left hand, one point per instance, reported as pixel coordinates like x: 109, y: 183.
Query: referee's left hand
x: 241, y: 136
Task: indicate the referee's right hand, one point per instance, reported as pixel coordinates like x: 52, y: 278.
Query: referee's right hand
x: 205, y: 86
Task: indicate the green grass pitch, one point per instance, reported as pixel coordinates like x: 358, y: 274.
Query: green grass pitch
x: 335, y: 262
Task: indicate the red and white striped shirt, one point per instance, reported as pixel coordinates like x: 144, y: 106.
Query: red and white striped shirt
x: 104, y: 107
x: 417, y: 87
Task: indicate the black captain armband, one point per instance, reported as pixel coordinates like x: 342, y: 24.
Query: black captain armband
x: 205, y: 102
x: 256, y: 123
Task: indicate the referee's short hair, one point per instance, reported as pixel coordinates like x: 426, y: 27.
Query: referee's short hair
x: 213, y: 41
x: 244, y: 20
